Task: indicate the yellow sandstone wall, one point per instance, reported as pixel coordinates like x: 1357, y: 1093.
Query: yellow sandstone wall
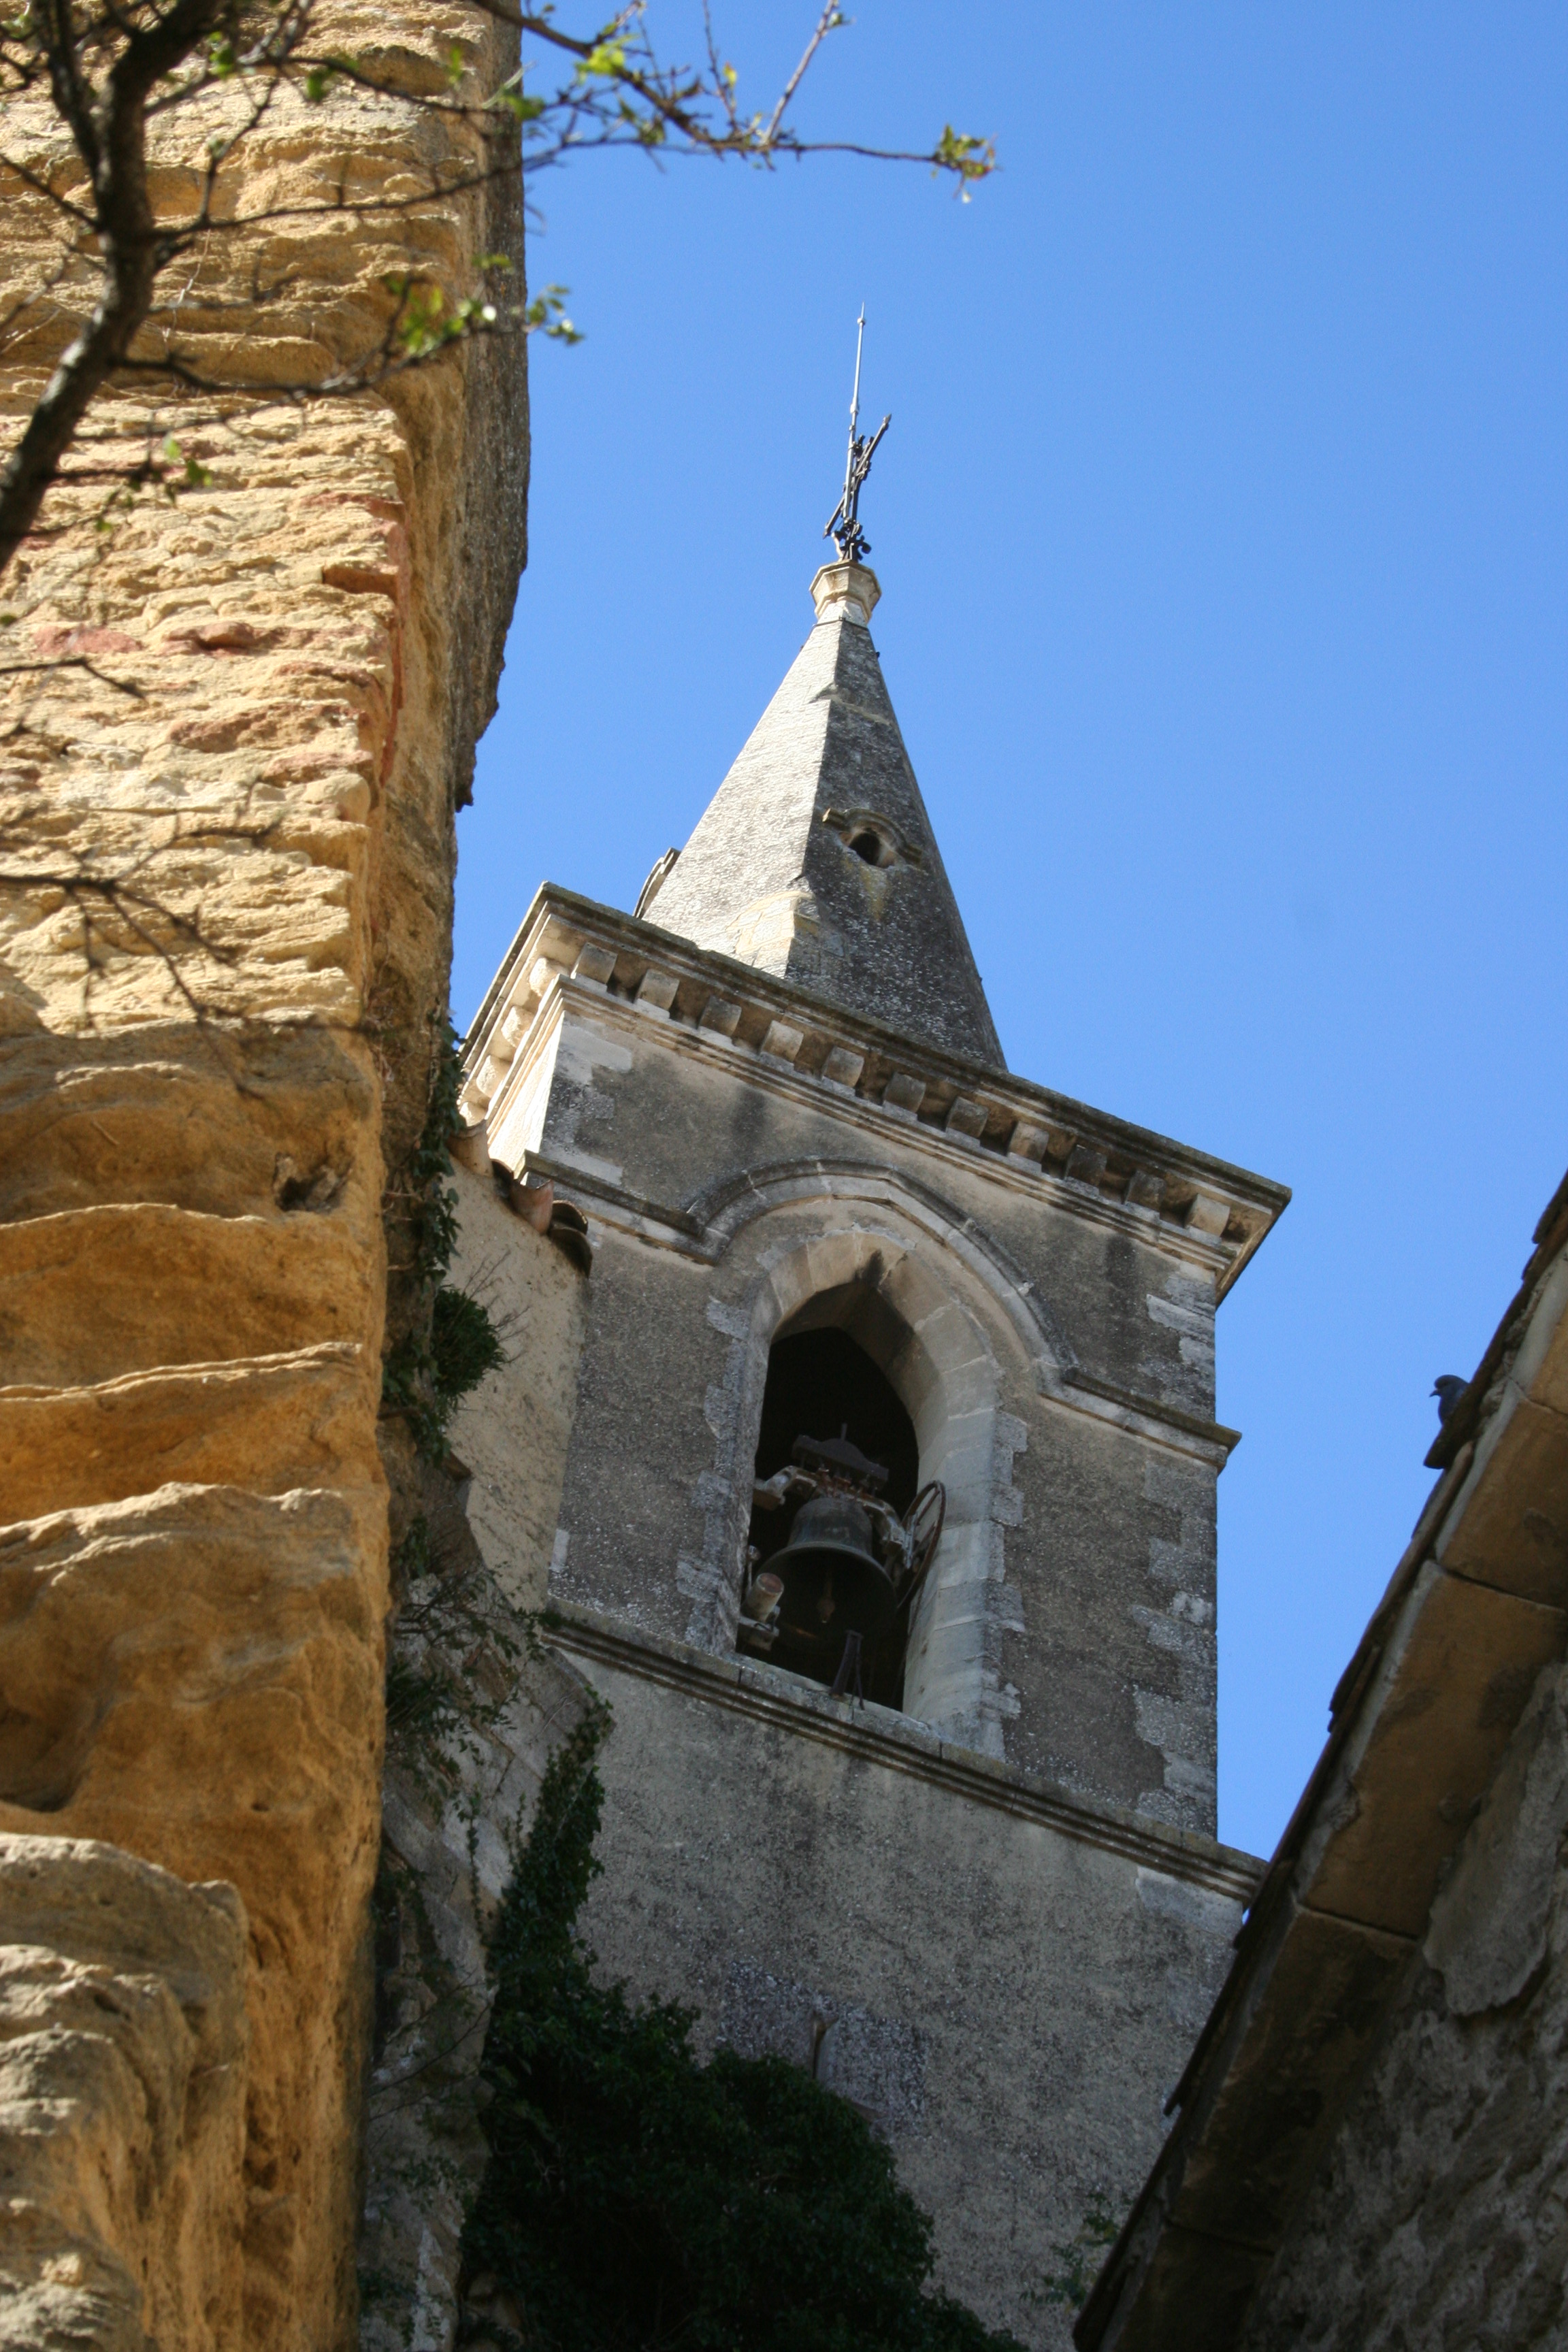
x: 228, y: 852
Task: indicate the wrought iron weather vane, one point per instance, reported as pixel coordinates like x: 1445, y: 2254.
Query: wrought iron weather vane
x: 843, y: 525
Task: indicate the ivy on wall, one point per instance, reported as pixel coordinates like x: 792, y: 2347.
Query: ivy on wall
x: 451, y: 1343
x: 637, y: 2197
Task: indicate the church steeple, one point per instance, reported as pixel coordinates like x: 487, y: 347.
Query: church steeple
x: 816, y: 858
x: 863, y: 1310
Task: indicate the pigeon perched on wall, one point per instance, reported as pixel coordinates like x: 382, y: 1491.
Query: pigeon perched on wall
x: 1448, y: 1388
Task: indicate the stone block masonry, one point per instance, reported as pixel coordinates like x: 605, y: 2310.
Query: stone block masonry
x: 227, y: 847
x: 1437, y: 2215
x: 1004, y: 1982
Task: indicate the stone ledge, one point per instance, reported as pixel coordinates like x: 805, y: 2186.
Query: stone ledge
x: 899, y: 1743
x: 1192, y: 1424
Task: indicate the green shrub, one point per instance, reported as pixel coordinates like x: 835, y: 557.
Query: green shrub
x: 464, y: 1343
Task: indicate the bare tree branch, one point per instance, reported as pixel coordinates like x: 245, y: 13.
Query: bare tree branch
x: 71, y: 661
x: 111, y: 68
x: 829, y: 19
x: 111, y: 140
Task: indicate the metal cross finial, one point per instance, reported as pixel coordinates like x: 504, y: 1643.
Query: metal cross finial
x: 843, y: 525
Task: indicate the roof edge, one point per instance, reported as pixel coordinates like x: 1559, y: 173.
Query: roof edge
x: 1468, y: 1603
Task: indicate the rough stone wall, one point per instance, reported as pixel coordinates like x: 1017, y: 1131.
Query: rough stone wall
x: 1010, y: 1999
x: 1012, y: 2006
x: 122, y: 2082
x: 1069, y: 1623
x: 512, y: 1434
x: 213, y: 1070
x: 461, y: 1780
x: 1438, y: 2218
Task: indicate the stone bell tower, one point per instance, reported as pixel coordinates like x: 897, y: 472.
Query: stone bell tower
x: 982, y: 1899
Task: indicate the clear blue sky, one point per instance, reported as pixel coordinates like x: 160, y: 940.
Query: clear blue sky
x: 1221, y: 530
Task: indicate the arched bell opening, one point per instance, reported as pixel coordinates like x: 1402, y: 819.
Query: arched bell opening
x: 938, y: 1318
x: 832, y: 1556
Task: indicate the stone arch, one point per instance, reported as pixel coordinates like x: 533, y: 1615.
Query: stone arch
x: 725, y: 1210
x: 917, y: 1309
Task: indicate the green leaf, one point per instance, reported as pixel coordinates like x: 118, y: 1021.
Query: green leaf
x: 970, y: 159
x: 521, y: 108
x: 544, y: 315
x: 1079, y: 2259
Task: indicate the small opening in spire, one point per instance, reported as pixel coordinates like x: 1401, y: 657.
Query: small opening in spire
x: 874, y: 838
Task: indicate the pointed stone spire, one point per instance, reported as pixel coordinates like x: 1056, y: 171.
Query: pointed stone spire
x: 816, y: 858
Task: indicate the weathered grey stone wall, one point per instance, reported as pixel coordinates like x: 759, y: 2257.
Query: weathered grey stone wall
x: 1011, y: 2005
x: 512, y: 1434
x: 1007, y: 1980
x: 1438, y: 2216
x: 1069, y: 1623
x: 461, y: 1781
x: 995, y: 1918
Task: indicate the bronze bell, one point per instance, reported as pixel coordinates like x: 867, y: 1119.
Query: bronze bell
x: 833, y: 1583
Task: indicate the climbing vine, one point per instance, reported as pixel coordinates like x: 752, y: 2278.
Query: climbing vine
x: 452, y: 1664
x: 1079, y: 2258
x: 637, y: 2197
x: 451, y: 1342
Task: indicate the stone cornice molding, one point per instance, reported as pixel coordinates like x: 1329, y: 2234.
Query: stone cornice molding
x: 877, y: 1735
x: 702, y: 1227
x: 1084, y: 1162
